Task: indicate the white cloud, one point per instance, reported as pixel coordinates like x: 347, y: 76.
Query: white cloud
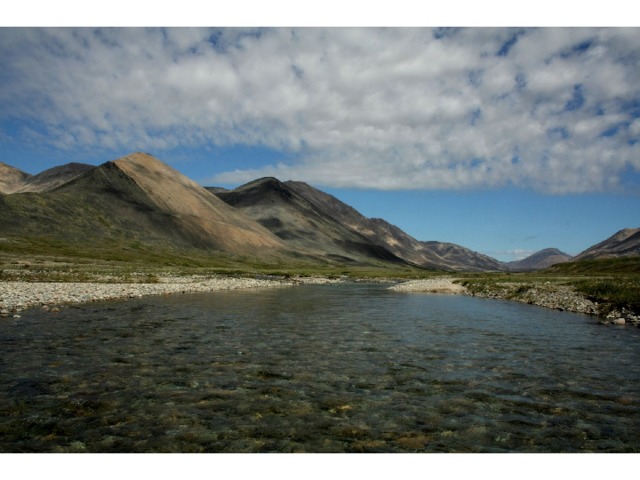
x: 371, y: 108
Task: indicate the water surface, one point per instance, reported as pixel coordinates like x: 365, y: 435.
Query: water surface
x: 332, y: 368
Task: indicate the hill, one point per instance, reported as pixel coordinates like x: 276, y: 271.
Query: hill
x: 539, y: 260
x: 139, y: 202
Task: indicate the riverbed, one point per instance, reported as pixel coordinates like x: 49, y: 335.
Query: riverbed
x: 316, y: 368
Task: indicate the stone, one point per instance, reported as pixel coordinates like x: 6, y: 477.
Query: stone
x: 619, y: 321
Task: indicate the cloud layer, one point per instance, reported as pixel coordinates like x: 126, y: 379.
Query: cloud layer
x: 554, y: 109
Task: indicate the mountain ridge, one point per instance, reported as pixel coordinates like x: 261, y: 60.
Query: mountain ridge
x: 299, y: 222
x: 391, y: 237
x: 124, y: 201
x: 625, y: 242
x: 138, y: 199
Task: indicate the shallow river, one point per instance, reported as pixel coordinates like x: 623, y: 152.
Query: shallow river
x: 332, y: 368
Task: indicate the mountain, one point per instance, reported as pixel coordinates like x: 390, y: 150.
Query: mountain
x: 624, y: 243
x: 194, y: 210
x: 135, y: 199
x: 539, y: 260
x: 461, y: 258
x: 436, y: 255
x: 300, y: 223
x: 11, y: 179
x: 52, y: 178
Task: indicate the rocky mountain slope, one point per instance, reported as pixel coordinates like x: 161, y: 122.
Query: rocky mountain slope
x: 464, y: 259
x: 623, y: 243
x: 539, y: 260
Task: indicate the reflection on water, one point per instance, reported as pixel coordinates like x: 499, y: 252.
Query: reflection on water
x: 334, y: 368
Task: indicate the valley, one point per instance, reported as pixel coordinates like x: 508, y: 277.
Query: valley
x: 136, y: 220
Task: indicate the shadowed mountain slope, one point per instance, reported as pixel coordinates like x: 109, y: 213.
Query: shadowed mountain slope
x: 438, y: 255
x: 623, y: 243
x: 302, y: 225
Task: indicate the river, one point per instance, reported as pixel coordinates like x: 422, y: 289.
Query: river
x: 330, y: 368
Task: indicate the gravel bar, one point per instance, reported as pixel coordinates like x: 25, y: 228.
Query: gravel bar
x: 18, y: 296
x: 430, y: 285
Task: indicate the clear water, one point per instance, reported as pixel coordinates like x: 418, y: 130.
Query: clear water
x: 334, y: 368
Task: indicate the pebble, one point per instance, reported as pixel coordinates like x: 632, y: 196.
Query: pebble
x: 430, y: 285
x: 16, y: 296
x: 548, y: 295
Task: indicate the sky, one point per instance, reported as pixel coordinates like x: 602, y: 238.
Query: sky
x: 505, y: 140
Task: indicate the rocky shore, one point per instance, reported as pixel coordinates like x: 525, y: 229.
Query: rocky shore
x: 543, y: 294
x: 17, y: 296
x: 559, y: 297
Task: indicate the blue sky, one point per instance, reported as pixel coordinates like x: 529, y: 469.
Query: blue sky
x: 503, y: 140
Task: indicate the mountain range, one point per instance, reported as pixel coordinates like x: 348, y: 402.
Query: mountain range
x: 139, y: 200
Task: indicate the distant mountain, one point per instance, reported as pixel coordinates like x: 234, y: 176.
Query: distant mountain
x: 54, y: 177
x: 626, y: 242
x: 539, y: 260
x: 461, y: 258
x: 11, y: 179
